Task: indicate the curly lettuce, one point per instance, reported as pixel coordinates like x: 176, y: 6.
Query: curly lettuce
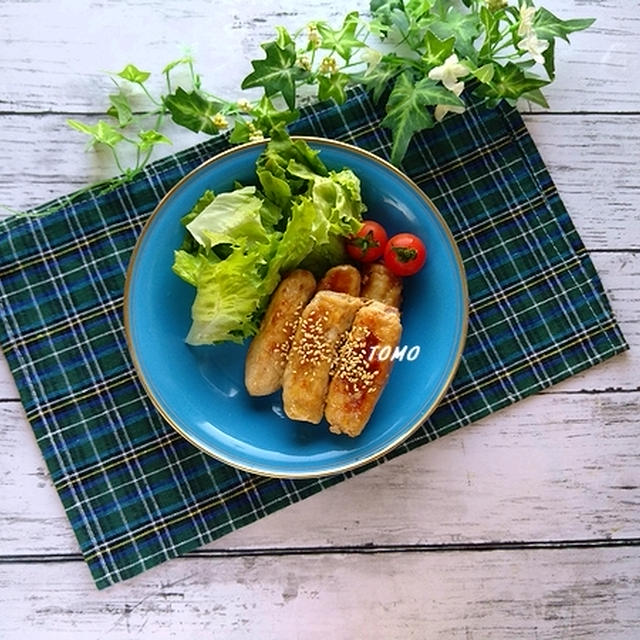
x: 239, y: 244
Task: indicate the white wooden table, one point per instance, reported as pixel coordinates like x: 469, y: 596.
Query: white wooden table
x: 523, y: 525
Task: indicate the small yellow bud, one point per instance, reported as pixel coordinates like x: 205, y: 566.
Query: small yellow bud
x: 304, y: 63
x: 219, y: 121
x: 244, y: 106
x: 328, y: 65
x: 314, y: 35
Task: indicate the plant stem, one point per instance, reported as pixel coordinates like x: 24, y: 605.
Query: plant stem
x: 115, y: 157
x: 158, y: 104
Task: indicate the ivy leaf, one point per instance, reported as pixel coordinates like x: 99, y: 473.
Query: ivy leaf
x: 343, y: 40
x: 509, y: 82
x: 175, y: 63
x: 240, y: 133
x: 407, y: 111
x: 381, y: 11
x: 101, y: 133
x: 378, y: 78
x: 549, y: 56
x: 120, y: 109
x: 266, y: 116
x: 391, y: 21
x: 192, y: 110
x: 418, y: 8
x: 283, y: 38
x: 484, y: 73
x: 526, y: 64
x: 436, y: 51
x: 410, y: 31
x: 491, y: 23
x: 547, y: 26
x: 333, y: 86
x: 133, y: 74
x: 440, y: 8
x: 535, y: 95
x: 277, y: 73
x: 463, y: 27
x: 150, y: 138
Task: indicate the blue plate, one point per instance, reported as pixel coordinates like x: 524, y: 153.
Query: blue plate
x: 200, y: 390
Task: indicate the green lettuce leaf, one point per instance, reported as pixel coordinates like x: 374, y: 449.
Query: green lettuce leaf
x: 227, y: 297
x: 188, y: 265
x: 228, y: 217
x: 239, y: 244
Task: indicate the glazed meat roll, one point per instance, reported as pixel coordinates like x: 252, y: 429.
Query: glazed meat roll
x: 344, y: 278
x: 306, y: 376
x: 361, y: 370
x: 381, y: 284
x: 268, y: 351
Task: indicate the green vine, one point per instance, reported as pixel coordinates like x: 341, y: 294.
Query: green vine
x: 415, y: 55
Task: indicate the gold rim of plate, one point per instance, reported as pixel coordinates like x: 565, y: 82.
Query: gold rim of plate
x: 411, y: 428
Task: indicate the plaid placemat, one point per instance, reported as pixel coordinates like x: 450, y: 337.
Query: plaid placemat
x: 135, y: 492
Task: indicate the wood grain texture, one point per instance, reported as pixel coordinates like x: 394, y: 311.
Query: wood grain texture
x: 223, y: 36
x: 551, y: 467
x: 575, y: 593
x: 575, y: 149
x: 600, y: 71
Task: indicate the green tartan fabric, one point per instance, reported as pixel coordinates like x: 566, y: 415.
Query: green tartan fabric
x: 136, y: 493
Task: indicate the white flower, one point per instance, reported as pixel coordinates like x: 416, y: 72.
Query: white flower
x: 534, y: 46
x: 372, y: 57
x: 526, y: 19
x: 449, y: 72
x: 441, y: 110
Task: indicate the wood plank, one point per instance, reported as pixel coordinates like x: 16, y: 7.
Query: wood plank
x: 551, y: 467
x: 8, y: 389
x: 40, y: 158
x: 54, y: 67
x: 543, y: 594
x: 561, y: 465
x: 594, y: 164
x: 592, y: 72
x: 51, y: 65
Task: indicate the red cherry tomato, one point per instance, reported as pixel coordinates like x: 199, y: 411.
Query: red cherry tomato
x: 368, y: 244
x: 405, y: 254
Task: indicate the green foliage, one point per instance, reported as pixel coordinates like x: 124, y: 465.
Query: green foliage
x: 278, y: 72
x: 407, y: 109
x: 133, y: 74
x: 423, y: 58
x: 344, y: 40
x: 193, y: 110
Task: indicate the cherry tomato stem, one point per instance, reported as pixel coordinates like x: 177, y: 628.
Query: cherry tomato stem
x: 369, y: 243
x: 405, y: 254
